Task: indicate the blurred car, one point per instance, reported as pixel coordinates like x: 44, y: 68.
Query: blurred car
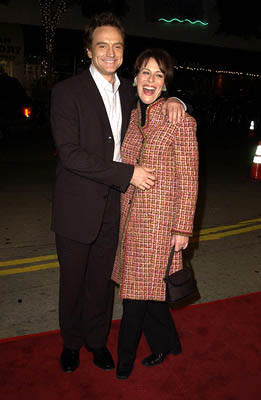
x: 16, y: 107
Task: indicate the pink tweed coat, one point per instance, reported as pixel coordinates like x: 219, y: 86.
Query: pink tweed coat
x: 148, y: 218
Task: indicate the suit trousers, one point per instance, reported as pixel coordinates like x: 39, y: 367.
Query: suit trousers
x: 86, y: 289
x: 154, y: 319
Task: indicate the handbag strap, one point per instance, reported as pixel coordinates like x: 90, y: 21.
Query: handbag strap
x: 186, y: 262
x: 171, y: 254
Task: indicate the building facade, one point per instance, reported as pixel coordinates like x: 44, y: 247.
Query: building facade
x: 186, y: 28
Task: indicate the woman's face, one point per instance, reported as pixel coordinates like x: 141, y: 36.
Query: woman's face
x: 150, y: 81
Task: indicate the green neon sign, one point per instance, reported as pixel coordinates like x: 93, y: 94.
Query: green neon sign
x: 183, y: 20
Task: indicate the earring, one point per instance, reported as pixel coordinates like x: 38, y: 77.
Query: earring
x: 134, y: 84
x: 164, y: 89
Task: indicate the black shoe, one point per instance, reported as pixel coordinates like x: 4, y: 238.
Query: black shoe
x: 124, y: 370
x: 102, y: 358
x: 154, y: 359
x: 69, y: 360
x: 177, y: 349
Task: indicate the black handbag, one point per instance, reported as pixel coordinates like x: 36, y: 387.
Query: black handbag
x: 181, y: 284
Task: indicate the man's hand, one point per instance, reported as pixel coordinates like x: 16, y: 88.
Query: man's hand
x: 143, y: 178
x: 174, y: 110
x: 179, y: 242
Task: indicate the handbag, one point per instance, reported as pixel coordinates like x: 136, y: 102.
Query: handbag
x: 181, y: 284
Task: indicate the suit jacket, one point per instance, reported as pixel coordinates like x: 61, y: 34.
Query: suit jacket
x: 85, y: 172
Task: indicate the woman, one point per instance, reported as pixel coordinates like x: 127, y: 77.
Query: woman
x: 154, y: 220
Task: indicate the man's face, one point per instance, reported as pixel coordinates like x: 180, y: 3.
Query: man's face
x: 106, y: 51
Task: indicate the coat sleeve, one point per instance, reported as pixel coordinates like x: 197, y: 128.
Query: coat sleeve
x: 186, y: 182
x: 65, y: 122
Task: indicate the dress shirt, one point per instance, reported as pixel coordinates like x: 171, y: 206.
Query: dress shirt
x: 111, y: 98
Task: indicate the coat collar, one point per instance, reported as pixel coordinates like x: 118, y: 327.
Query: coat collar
x: 124, y: 108
x: 153, y: 111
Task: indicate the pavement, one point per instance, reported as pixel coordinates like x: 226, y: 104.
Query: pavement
x: 225, y: 252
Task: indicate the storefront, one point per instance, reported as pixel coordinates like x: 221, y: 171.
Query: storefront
x: 12, y: 50
x: 21, y: 53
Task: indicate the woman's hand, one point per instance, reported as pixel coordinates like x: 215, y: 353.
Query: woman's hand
x: 179, y: 242
x: 174, y: 110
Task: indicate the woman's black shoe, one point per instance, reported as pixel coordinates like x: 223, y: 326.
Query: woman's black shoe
x: 154, y: 359
x: 177, y: 349
x: 124, y: 370
x: 69, y: 360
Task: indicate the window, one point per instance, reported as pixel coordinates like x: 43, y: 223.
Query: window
x: 191, y: 9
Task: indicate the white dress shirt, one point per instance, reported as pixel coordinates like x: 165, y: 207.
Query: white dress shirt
x: 111, y: 98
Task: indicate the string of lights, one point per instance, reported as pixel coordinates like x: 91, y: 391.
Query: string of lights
x: 217, y: 71
x: 51, y: 14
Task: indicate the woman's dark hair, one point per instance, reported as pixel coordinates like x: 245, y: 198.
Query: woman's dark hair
x: 103, y: 19
x: 162, y: 57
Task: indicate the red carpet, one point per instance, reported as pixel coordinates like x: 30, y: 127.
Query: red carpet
x: 221, y: 360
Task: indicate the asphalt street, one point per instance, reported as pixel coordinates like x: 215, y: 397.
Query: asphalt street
x: 225, y: 250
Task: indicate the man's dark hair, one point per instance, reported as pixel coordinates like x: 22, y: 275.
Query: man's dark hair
x: 103, y: 19
x: 162, y: 57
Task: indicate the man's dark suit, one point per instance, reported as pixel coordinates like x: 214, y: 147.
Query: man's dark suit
x: 86, y: 204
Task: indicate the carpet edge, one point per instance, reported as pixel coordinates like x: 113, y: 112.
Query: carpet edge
x: 16, y: 338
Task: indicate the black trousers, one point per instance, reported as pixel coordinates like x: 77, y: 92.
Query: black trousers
x: 154, y: 319
x: 86, y: 289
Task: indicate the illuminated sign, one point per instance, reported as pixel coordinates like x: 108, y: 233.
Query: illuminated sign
x: 183, y: 20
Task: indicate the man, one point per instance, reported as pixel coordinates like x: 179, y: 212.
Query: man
x: 90, y: 114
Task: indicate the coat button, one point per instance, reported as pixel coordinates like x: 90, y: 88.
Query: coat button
x: 109, y: 137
